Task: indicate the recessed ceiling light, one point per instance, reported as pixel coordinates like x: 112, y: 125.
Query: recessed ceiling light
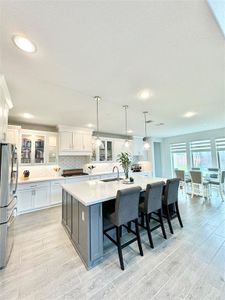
x: 24, y: 43
x: 28, y: 116
x: 90, y: 125
x: 189, y: 114
x: 144, y: 94
x: 129, y: 131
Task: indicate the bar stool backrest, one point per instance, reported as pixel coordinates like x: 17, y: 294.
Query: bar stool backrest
x: 153, y: 197
x: 196, y: 177
x: 171, y: 190
x: 180, y: 174
x: 126, y: 207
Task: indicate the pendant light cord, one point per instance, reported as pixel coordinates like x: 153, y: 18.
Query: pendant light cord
x: 125, y: 108
x: 97, y: 98
x: 145, y: 123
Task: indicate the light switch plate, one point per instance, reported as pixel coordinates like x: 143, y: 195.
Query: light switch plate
x: 82, y: 216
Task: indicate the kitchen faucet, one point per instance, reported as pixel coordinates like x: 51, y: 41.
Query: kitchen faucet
x: 118, y: 172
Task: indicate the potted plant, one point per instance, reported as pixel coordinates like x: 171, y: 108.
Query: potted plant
x: 125, y: 162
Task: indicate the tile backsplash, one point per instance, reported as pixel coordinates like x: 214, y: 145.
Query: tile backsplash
x: 68, y: 162
x: 73, y: 162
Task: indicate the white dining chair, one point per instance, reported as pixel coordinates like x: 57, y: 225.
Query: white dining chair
x: 199, y: 186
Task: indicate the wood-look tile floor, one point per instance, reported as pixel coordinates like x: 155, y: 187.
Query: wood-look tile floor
x: 188, y: 265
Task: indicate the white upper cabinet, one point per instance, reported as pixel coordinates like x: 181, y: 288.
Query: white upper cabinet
x: 65, y: 141
x: 13, y: 135
x: 74, y: 141
x: 5, y: 105
x: 138, y: 148
x: 38, y: 147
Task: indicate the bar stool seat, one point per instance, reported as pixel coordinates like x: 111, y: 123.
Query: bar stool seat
x: 126, y: 210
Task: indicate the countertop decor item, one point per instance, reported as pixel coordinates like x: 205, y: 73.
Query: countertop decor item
x: 56, y: 169
x: 125, y: 162
x: 26, y: 174
x: 91, y: 167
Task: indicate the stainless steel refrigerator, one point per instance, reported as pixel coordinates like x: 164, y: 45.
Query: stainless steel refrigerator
x: 8, y: 188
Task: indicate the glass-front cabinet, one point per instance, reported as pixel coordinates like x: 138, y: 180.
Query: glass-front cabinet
x: 26, y: 149
x: 39, y: 151
x: 38, y: 148
x: 52, y: 149
x: 103, y: 153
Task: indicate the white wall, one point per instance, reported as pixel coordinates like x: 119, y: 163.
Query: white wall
x: 210, y: 134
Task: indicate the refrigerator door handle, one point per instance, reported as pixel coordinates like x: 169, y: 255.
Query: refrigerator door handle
x: 12, y: 218
x: 17, y: 175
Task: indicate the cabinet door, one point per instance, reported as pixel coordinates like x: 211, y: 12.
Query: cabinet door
x: 39, y: 149
x: 56, y: 192
x: 25, y: 200
x: 41, y: 197
x: 66, y: 141
x: 109, y: 150
x: 52, y: 149
x: 75, y: 219
x: 13, y: 136
x: 87, y: 142
x: 26, y: 149
x: 5, y: 121
x: 102, y: 151
x: 78, y: 141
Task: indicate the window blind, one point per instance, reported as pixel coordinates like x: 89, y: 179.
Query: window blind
x: 220, y: 144
x: 200, y: 146
x: 178, y: 147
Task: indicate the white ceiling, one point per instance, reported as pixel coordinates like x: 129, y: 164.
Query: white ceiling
x: 114, y: 49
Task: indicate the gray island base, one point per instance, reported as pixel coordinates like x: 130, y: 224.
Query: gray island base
x: 82, y: 215
x: 84, y: 226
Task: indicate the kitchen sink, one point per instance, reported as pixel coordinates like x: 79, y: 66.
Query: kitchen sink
x: 111, y: 179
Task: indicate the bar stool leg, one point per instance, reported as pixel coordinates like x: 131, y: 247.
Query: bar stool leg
x: 168, y: 219
x: 142, y: 219
x: 149, y: 231
x: 119, y: 247
x: 138, y: 237
x: 161, y: 223
x: 178, y: 214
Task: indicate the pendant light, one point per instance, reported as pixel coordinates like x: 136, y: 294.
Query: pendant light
x: 146, y: 144
x: 98, y: 141
x: 127, y: 143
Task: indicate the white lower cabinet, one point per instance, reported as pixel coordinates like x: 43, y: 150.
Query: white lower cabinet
x: 25, y: 200
x: 33, y: 196
x: 56, y: 191
x: 42, y: 196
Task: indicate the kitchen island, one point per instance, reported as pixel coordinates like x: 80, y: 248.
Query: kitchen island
x: 82, y: 215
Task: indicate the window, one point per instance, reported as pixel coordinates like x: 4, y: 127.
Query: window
x: 201, y: 154
x: 220, y: 150
x: 178, y: 156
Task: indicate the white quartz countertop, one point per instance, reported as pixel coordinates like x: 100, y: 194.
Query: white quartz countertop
x: 46, y: 178
x: 96, y: 191
x: 38, y: 179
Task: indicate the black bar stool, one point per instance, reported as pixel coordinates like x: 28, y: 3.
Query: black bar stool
x: 170, y: 202
x: 126, y: 210
x: 152, y: 204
